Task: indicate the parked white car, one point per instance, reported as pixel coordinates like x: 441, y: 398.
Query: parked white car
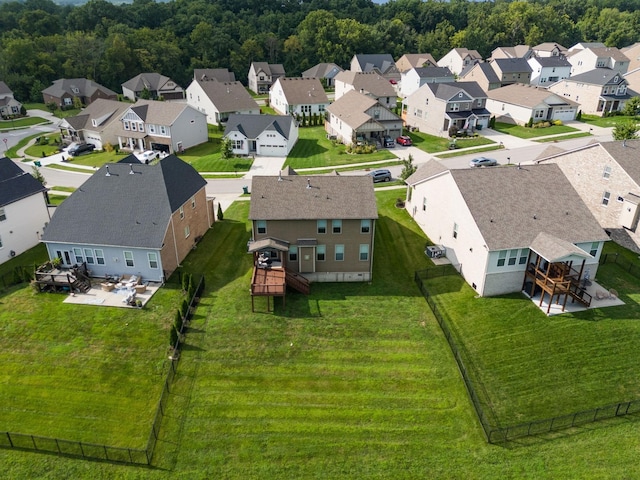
x: 147, y: 156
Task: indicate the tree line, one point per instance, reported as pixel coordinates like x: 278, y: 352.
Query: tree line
x: 42, y: 41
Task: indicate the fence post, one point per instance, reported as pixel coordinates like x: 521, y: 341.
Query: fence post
x: 58, y: 445
x: 9, y: 438
x: 33, y: 440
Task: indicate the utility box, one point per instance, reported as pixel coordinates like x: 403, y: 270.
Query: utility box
x: 630, y: 211
x: 435, y: 251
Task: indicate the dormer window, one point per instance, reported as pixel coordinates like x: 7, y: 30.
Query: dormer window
x: 75, y: 90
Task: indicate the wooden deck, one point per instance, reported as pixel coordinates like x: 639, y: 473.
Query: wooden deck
x: 268, y: 282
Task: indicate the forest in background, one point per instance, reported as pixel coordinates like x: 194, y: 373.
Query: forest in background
x: 42, y: 41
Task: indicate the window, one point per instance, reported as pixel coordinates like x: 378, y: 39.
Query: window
x: 336, y: 226
x: 193, y: 202
x: 322, y: 226
x: 620, y: 199
x: 606, y: 172
x: 126, y: 125
x: 605, y: 198
x: 513, y: 255
x: 99, y: 256
x: 77, y: 254
x: 339, y: 251
x: 455, y: 107
x: 261, y: 226
x: 424, y: 204
x: 365, y: 226
x: 455, y: 230
x: 3, y: 215
x: 293, y: 253
x: 128, y: 259
x: 181, y: 213
x: 524, y: 253
x: 539, y: 114
x: 153, y: 259
x: 152, y: 129
x: 321, y: 251
x: 364, y: 252
x: 187, y: 231
x: 88, y: 255
x: 594, y: 249
x: 134, y: 126
x: 502, y: 255
x: 163, y: 130
x: 237, y: 144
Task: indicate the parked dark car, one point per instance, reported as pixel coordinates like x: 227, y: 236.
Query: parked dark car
x: 404, y: 140
x: 76, y: 150
x: 388, y: 142
x: 483, y: 162
x: 381, y: 175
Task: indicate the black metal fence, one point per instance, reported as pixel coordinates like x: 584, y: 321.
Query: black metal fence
x: 622, y: 262
x: 91, y: 451
x: 493, y: 432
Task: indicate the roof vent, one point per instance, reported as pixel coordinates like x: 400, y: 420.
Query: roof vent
x: 107, y: 174
x: 308, y: 183
x: 131, y: 172
x: 535, y: 217
x: 279, y: 176
x: 624, y: 143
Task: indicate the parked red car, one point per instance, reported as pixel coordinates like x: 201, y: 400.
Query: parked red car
x: 404, y: 140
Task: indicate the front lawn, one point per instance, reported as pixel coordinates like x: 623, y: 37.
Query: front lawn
x: 207, y: 158
x: 526, y: 132
x: 21, y: 122
x: 432, y: 144
x: 606, y: 122
x: 45, y: 149
x: 313, y: 149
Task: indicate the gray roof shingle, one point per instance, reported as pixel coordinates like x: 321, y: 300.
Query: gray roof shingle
x: 15, y: 183
x: 447, y: 90
x: 228, y: 96
x: 253, y: 125
x: 303, y: 91
x: 69, y: 85
x: 117, y: 208
x: 322, y: 70
x: 370, y: 82
x: 627, y: 154
x: 218, y: 74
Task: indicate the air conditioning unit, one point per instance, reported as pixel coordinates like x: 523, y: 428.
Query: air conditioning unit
x: 435, y: 251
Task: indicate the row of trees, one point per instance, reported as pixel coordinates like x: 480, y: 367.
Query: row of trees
x: 42, y: 41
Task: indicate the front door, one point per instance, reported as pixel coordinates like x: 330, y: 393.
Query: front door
x: 307, y: 259
x: 65, y: 256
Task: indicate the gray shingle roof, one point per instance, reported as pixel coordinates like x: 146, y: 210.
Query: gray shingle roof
x: 67, y: 85
x: 485, y: 68
x: 381, y: 61
x: 419, y: 59
x: 329, y: 197
x: 447, y: 90
x: 426, y: 170
x: 511, y: 205
x: 322, y: 70
x: 218, y: 74
x: 528, y: 96
x: 15, y: 183
x: 627, y: 154
x: 271, y: 69
x: 124, y: 209
x: 433, y: 72
x: 557, y: 61
x: 512, y: 65
x: 597, y: 76
x: 102, y: 109
x: 303, y: 91
x: 4, y: 89
x: 351, y: 108
x: 253, y: 125
x: 228, y: 96
x: 370, y: 82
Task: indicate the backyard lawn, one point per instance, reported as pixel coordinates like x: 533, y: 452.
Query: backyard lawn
x: 525, y: 132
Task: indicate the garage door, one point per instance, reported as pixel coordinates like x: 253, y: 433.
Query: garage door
x: 272, y: 150
x: 564, y: 114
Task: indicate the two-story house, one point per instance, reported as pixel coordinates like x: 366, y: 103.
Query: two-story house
x: 549, y: 49
x: 518, y: 104
x: 370, y: 84
x: 298, y: 96
x: 519, y: 51
x: 152, y: 85
x: 414, y: 78
x: 325, y: 72
x: 165, y: 126
x: 587, y: 59
x: 511, y: 70
x: 23, y: 210
x: 219, y: 99
x: 435, y: 107
x: 548, y: 70
x: 598, y: 91
x: 63, y: 91
x: 459, y: 59
x: 8, y: 104
x: 218, y: 74
x: 262, y: 75
x: 98, y: 124
x: 483, y: 74
x: 632, y: 52
x: 356, y: 117
x: 415, y: 60
x: 380, y: 63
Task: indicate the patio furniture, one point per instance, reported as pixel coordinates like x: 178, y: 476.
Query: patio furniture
x: 140, y: 288
x: 601, y: 295
x: 107, y: 286
x: 613, y: 294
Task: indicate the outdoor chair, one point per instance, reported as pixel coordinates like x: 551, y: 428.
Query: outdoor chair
x: 601, y: 295
x: 613, y: 294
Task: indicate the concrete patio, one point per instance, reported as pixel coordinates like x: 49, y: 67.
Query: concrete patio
x: 595, y: 290
x: 114, y: 298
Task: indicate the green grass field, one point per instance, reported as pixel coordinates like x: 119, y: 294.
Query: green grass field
x: 21, y: 122
x: 431, y: 143
x: 352, y: 381
x: 524, y: 132
x: 563, y: 137
x: 605, y: 121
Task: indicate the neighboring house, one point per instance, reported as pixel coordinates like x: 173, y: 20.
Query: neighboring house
x: 588, y: 59
x: 265, y: 135
x: 549, y: 49
x: 511, y: 70
x: 414, y: 78
x: 325, y: 72
x: 607, y: 177
x: 518, y: 103
x: 632, y: 52
x: 165, y: 126
x: 380, y: 63
x: 8, y: 105
x: 219, y: 99
x: 548, y: 70
x: 262, y: 75
x: 325, y: 224
x: 435, y: 107
x: 415, y: 60
x: 152, y: 86
x: 497, y: 224
x: 298, y: 96
x: 598, y: 91
x: 64, y: 90
x: 23, y: 210
x: 519, y: 51
x: 218, y: 74
x: 356, y: 117
x: 483, y: 74
x: 132, y: 219
x: 370, y: 84
x: 98, y: 124
x: 584, y: 45
x: 633, y: 79
x: 459, y: 59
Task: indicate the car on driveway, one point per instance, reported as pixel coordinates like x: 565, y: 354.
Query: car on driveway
x: 79, y: 149
x: 147, y: 156
x: 404, y: 140
x: 380, y: 175
x: 483, y: 162
x: 388, y: 142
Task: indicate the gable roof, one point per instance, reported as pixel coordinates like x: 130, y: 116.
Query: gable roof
x: 4, y: 89
x: 218, y: 74
x: 102, y: 110
x: 115, y: 207
x: 305, y: 91
x: 519, y: 51
x: 271, y: 69
x: 511, y: 65
x: 433, y: 72
x: 418, y: 59
x: 540, y: 199
x: 322, y: 70
x: 352, y: 108
x: 329, y: 196
x: 486, y: 69
x: 548, y: 47
x: 447, y: 90
x: 427, y: 170
x: 150, y: 81
x: 369, y: 82
x: 159, y: 113
x: 380, y: 61
x: 69, y: 85
x: 555, y: 61
x: 464, y: 52
x: 597, y: 76
x: 15, y: 183
x: 555, y: 249
x: 228, y: 96
x: 251, y: 126
x: 528, y: 96
x: 610, y: 52
x: 627, y: 154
